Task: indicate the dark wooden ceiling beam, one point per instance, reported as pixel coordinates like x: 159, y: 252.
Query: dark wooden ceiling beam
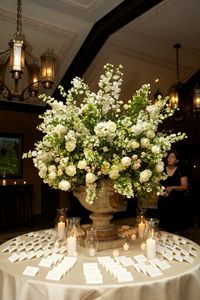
x: 120, y: 16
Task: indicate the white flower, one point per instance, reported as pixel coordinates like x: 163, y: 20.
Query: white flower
x: 144, y: 142
x: 70, y: 170
x: 70, y: 146
x: 136, y: 165
x: 111, y: 126
x: 90, y: 178
x: 89, y: 137
x: 52, y: 175
x: 134, y: 144
x: 82, y: 164
x: 159, y: 167
x: 64, y: 185
x: 114, y: 174
x: 126, y: 161
x: 145, y: 175
x: 155, y: 149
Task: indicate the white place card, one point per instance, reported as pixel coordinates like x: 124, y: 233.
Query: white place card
x: 184, y: 252
x: 193, y: 253
x: 153, y: 271
x: 46, y: 262
x: 178, y: 257
x: 168, y: 251
x: 154, y: 261
x: 30, y: 271
x: 183, y: 241
x: 137, y: 267
x: 37, y: 247
x: 163, y: 265
x: 14, y: 257
x: 63, y: 249
x: 188, y: 259
x: 39, y: 253
x: 125, y: 277
x: 12, y: 249
x: 30, y: 234
x: 125, y: 261
x: 94, y: 280
x: 54, y: 275
x: 168, y: 256
x: 19, y: 249
x: 140, y: 258
x: 28, y: 248
x: 22, y: 255
x: 47, y: 252
x: 5, y: 249
x: 31, y: 254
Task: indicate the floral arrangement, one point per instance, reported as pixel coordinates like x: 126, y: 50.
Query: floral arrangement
x: 91, y: 136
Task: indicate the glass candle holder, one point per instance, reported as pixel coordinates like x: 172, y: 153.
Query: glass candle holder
x: 91, y: 241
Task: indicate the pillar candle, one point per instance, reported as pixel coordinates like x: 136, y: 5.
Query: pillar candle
x: 141, y: 227
x: 92, y: 251
x: 61, y: 230
x: 71, y: 245
x: 150, y: 248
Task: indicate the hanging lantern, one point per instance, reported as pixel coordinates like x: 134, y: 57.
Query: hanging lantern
x: 175, y: 88
x: 48, y: 69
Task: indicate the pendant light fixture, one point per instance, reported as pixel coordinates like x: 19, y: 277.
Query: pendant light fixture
x: 19, y: 60
x: 175, y: 88
x: 196, y: 98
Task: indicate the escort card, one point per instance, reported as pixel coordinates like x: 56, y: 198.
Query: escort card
x: 188, y: 259
x: 140, y: 258
x: 54, y: 274
x: 22, y: 256
x: 46, y: 262
x: 30, y: 271
x: 14, y: 257
x: 153, y: 271
x: 168, y: 256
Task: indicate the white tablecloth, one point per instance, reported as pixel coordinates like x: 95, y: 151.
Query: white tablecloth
x: 180, y: 282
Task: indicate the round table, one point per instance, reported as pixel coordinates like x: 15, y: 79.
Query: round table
x: 180, y: 282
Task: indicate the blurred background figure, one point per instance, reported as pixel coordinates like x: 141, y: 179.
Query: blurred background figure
x: 173, y: 205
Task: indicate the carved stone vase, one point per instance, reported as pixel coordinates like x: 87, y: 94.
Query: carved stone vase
x: 105, y: 204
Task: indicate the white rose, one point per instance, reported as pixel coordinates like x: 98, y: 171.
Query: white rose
x: 126, y: 161
x: 159, y: 167
x: 52, y: 175
x: 136, y: 165
x: 144, y: 142
x: 52, y: 168
x: 90, y: 178
x: 60, y: 129
x: 134, y: 156
x: 70, y: 170
x: 145, y: 175
x: 64, y: 185
x: 70, y: 146
x: 114, y: 174
x: 111, y: 126
x: 134, y: 144
x: 82, y: 164
x: 156, y: 149
x: 150, y: 134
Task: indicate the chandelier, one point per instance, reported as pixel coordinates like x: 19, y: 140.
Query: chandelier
x: 19, y: 60
x: 175, y: 88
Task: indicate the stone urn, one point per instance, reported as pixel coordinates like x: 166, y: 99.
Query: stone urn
x: 105, y: 204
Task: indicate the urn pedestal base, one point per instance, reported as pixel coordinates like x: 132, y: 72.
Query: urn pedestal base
x: 106, y: 202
